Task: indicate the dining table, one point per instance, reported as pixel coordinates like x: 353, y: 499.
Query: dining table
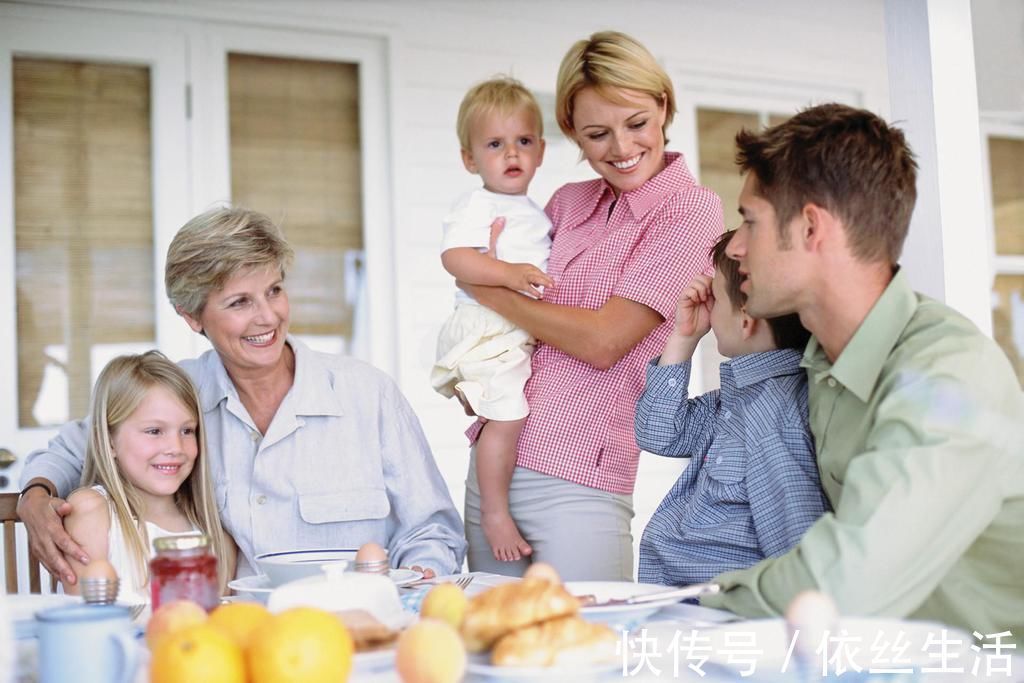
x: 687, y: 641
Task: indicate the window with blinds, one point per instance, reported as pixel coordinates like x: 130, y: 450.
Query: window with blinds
x: 1006, y: 160
x: 295, y: 156
x: 83, y: 228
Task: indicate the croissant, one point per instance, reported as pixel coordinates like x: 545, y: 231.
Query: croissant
x: 565, y: 642
x: 504, y: 608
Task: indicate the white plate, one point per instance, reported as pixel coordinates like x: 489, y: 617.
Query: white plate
x: 403, y: 577
x: 259, y: 587
x: 620, y: 615
x: 479, y: 665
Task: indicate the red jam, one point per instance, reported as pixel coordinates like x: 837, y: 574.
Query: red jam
x: 184, y: 569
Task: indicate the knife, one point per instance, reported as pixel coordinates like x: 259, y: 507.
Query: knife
x: 691, y: 591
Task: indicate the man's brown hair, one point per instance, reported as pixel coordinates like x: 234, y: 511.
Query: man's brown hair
x: 846, y: 160
x: 787, y: 330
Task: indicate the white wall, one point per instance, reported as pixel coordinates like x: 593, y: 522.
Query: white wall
x: 999, y: 55
x: 437, y: 49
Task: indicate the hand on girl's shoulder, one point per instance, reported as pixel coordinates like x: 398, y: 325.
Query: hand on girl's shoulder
x: 89, y: 504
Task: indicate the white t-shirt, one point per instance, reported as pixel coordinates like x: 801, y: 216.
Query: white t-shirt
x: 525, y: 239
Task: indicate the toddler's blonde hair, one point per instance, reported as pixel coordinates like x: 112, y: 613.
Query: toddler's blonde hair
x: 501, y: 95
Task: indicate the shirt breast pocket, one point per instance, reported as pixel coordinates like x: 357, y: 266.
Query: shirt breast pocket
x: 348, y: 505
x: 727, y: 467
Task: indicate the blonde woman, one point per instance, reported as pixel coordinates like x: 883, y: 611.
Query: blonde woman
x: 624, y: 245
x: 146, y: 473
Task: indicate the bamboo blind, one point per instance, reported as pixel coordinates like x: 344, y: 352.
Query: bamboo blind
x: 83, y: 218
x: 295, y: 156
x: 1006, y: 157
x: 1008, y: 292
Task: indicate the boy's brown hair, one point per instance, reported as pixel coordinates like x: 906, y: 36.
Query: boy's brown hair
x: 846, y: 160
x: 787, y: 330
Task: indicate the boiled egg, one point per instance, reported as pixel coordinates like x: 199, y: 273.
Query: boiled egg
x: 811, y: 615
x: 371, y: 552
x: 98, y: 569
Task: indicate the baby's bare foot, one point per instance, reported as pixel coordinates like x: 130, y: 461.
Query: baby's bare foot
x: 507, y: 544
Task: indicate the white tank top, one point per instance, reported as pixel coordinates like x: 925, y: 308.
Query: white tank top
x: 119, y: 555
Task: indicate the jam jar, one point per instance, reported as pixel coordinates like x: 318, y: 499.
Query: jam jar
x: 184, y: 569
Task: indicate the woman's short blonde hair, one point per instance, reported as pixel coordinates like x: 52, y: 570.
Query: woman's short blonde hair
x: 214, y: 246
x: 608, y: 61
x: 501, y: 95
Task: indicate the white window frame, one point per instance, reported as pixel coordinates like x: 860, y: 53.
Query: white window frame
x: 71, y: 35
x: 763, y: 96
x: 209, y: 46
x: 1001, y: 126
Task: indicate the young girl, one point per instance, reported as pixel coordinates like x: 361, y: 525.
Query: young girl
x: 145, y: 473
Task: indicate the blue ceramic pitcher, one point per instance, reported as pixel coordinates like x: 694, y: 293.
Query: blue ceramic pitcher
x: 87, y: 644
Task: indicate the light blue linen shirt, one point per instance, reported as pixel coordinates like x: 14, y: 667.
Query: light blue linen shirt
x: 344, y: 461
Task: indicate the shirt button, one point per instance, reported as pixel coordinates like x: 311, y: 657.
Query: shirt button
x: 255, y: 436
x: 260, y: 500
x: 832, y: 382
x: 726, y: 415
x: 672, y: 382
x: 718, y: 460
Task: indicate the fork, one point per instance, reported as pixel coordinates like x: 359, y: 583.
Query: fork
x: 461, y: 582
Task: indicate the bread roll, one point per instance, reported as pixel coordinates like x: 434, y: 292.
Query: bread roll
x: 504, y: 608
x: 565, y: 642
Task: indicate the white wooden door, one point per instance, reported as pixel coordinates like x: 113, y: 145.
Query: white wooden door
x: 34, y: 232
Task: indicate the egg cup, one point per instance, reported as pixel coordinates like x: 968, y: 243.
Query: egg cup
x: 100, y: 591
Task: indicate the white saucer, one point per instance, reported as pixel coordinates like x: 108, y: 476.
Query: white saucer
x: 610, y: 590
x: 259, y: 588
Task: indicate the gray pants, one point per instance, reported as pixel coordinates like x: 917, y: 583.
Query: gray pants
x: 583, y: 532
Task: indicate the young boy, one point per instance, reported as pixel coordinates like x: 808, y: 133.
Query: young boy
x: 751, y: 488
x: 482, y: 357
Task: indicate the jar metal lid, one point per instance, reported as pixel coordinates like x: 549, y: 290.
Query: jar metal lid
x: 182, y: 542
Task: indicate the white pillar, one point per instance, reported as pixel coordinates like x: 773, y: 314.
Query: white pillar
x: 933, y: 97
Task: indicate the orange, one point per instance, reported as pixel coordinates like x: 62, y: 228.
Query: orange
x: 171, y: 617
x: 197, y: 654
x: 303, y: 644
x: 238, y: 620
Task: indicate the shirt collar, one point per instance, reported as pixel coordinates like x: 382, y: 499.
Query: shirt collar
x: 752, y: 368
x: 640, y: 201
x: 860, y: 363
x: 312, y: 392
x: 652, y: 193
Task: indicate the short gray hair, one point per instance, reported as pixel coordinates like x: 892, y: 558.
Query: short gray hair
x: 215, y: 245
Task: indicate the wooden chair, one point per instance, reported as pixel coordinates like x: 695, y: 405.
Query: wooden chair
x: 9, y: 518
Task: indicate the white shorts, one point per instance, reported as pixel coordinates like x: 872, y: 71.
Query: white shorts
x: 487, y: 359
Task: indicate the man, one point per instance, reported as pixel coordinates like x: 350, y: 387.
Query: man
x: 916, y: 415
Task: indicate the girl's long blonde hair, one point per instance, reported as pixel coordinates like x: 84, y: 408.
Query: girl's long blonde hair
x: 119, y: 390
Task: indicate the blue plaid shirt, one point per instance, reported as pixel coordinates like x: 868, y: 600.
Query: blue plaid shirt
x: 751, y: 488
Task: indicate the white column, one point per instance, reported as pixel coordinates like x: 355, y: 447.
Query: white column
x: 933, y: 97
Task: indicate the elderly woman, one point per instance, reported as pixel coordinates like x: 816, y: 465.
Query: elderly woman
x: 307, y: 449
x: 624, y: 245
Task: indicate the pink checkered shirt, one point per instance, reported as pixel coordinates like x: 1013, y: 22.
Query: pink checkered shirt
x: 645, y: 248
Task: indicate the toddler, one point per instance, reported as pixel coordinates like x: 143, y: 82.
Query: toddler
x: 751, y: 488
x: 481, y: 356
x: 145, y: 473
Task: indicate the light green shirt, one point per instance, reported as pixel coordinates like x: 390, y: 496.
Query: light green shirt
x: 919, y: 428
